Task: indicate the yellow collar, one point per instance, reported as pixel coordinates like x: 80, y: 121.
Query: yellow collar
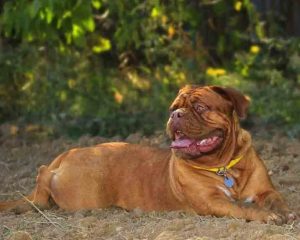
x: 221, y: 170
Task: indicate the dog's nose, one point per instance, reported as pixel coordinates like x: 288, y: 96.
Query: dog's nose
x: 178, y: 113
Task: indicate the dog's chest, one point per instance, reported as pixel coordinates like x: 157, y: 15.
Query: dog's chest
x: 234, y: 190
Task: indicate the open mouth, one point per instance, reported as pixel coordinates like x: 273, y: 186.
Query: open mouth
x: 197, y: 146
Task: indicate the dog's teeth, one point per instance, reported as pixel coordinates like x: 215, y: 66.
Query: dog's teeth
x: 202, y: 142
x: 214, y: 138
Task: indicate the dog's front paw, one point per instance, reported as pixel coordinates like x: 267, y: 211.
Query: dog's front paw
x: 288, y: 215
x: 291, y: 217
x: 279, y: 219
x: 264, y: 216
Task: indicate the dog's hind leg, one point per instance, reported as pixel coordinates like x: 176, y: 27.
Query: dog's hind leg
x: 42, y: 191
x: 40, y: 195
x: 39, y: 198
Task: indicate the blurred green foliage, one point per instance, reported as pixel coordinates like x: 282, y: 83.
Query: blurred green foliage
x: 113, y: 67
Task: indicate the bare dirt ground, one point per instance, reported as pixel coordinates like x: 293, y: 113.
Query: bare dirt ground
x: 21, y: 156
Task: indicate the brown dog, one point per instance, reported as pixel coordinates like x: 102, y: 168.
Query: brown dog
x: 210, y: 170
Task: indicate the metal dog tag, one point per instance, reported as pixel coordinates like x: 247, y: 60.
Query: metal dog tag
x: 228, y: 181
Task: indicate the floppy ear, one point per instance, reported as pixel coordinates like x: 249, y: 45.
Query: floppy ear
x: 239, y: 101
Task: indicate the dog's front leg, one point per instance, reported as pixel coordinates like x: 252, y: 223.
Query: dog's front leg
x: 220, y: 207
x: 273, y: 201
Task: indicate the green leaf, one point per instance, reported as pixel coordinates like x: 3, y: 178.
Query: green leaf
x: 155, y: 12
x: 49, y: 15
x: 102, y: 46
x: 68, y: 37
x: 89, y: 24
x: 77, y: 31
x: 96, y: 4
x: 259, y: 28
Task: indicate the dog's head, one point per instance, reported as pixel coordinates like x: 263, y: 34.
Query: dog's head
x: 204, y: 120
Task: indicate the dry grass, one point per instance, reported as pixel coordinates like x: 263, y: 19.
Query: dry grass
x: 19, y: 160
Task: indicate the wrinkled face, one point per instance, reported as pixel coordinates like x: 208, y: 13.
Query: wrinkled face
x: 201, y: 119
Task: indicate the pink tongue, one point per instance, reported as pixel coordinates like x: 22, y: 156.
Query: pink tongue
x: 181, y: 143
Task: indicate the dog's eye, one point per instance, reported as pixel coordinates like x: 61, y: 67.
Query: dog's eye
x: 200, y: 108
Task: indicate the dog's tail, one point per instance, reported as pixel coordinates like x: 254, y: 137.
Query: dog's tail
x: 20, y: 205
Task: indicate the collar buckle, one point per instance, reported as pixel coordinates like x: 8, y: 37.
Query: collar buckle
x: 222, y: 171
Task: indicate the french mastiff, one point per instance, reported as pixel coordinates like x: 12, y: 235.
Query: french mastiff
x: 211, y: 168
